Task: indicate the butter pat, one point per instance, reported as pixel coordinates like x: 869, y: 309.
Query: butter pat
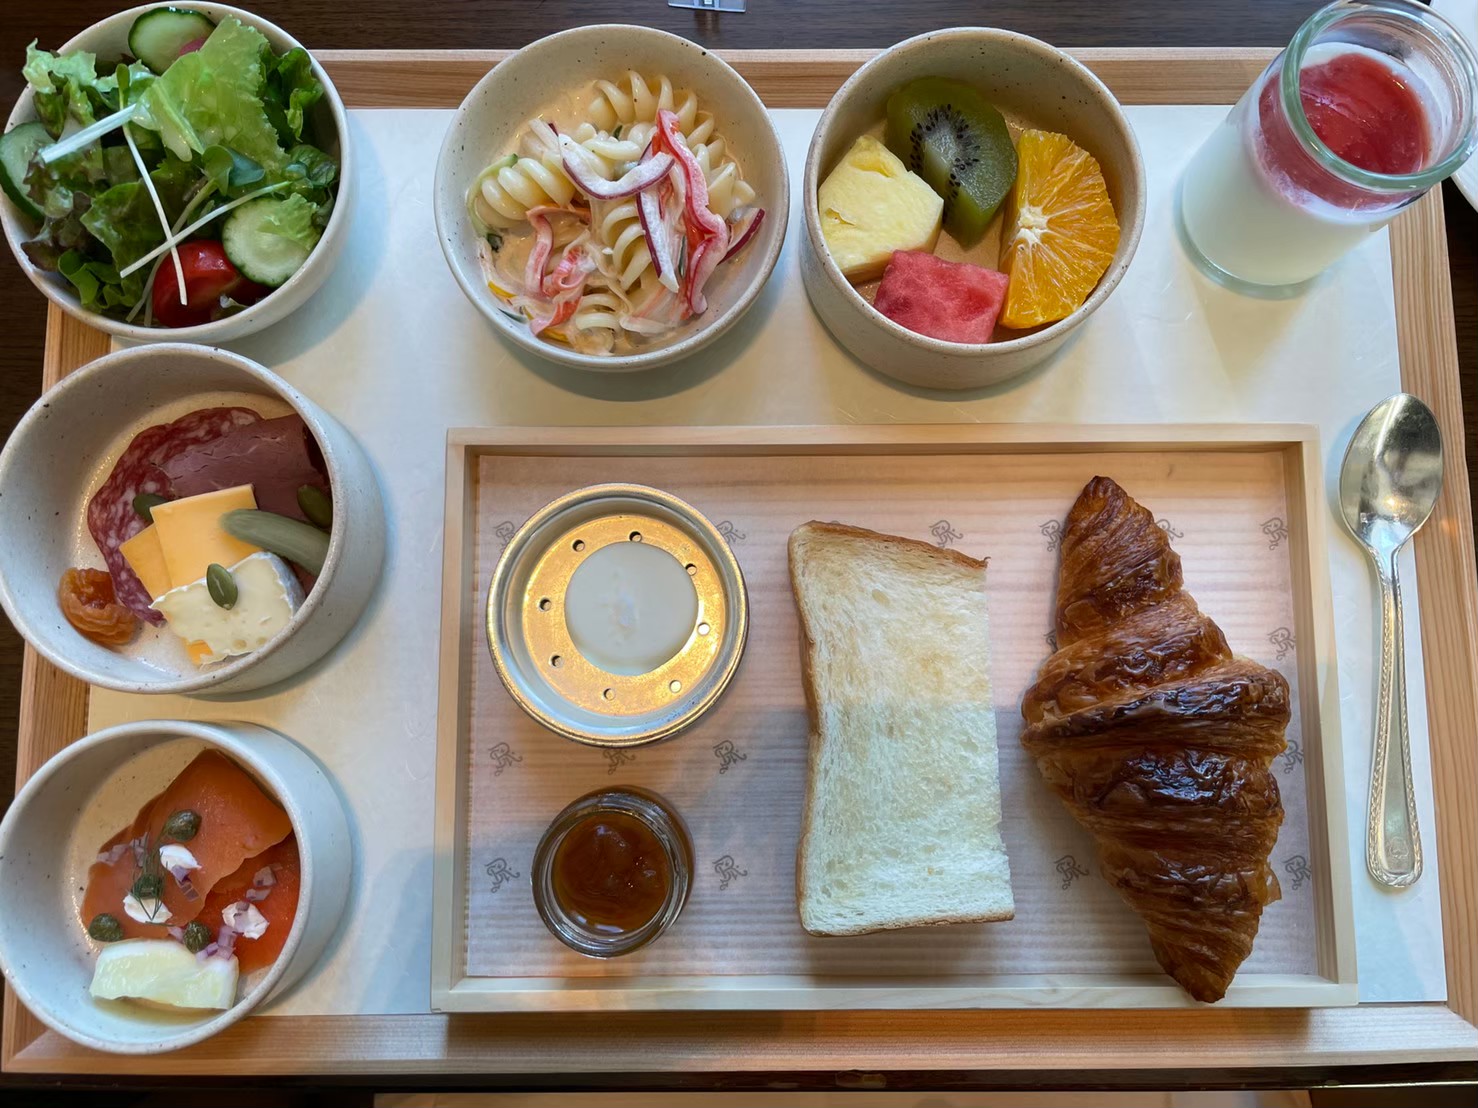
x: 146, y: 558
x: 191, y: 536
x: 267, y: 595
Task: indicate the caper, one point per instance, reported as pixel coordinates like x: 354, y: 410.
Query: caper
x: 105, y: 928
x: 148, y: 886
x: 221, y: 585
x: 197, y: 936
x: 183, y: 826
x: 316, y: 505
x: 145, y: 503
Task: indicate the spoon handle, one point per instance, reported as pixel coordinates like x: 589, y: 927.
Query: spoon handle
x: 1393, y: 845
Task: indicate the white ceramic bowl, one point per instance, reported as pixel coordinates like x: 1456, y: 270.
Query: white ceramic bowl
x: 79, y: 799
x: 60, y: 451
x: 108, y: 38
x: 1031, y: 83
x: 490, y: 121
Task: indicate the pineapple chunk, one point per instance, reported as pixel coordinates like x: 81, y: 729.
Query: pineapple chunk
x: 872, y: 205
x: 162, y: 971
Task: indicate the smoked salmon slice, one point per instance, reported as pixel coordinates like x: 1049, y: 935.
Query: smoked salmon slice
x: 238, y: 821
x: 278, y: 907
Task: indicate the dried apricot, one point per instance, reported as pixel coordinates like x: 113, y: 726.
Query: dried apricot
x: 88, y: 602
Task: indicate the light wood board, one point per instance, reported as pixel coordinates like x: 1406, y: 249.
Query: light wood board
x: 738, y: 775
x: 54, y: 713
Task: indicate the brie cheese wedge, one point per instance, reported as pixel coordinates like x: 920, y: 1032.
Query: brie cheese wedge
x: 267, y: 595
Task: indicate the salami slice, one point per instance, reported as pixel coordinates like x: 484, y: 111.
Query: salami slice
x: 110, y: 515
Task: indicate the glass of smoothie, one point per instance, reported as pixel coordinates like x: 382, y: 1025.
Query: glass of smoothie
x: 1371, y: 104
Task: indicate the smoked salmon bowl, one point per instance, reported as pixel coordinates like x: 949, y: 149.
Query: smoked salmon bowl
x: 164, y: 878
x: 192, y: 523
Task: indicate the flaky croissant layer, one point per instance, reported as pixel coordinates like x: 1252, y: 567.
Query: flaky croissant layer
x: 1160, y: 741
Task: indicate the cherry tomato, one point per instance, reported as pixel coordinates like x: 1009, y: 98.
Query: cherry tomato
x: 209, y: 275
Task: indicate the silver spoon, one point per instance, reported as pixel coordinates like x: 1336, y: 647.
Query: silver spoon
x: 1388, y: 486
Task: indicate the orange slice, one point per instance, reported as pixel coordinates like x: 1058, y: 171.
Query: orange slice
x: 1062, y: 232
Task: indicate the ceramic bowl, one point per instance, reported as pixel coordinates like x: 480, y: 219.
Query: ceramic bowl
x: 108, y: 38
x: 66, y: 445
x: 1034, y: 85
x: 77, y: 801
x: 534, y: 80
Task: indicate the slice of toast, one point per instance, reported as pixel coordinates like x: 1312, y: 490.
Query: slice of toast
x: 903, y: 809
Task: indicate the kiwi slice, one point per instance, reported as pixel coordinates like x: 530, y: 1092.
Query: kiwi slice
x: 953, y: 138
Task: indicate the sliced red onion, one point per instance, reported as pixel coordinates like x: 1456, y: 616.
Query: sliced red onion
x: 744, y: 228
x: 546, y: 134
x: 264, y: 878
x: 577, y: 164
x: 701, y: 267
x: 658, y: 236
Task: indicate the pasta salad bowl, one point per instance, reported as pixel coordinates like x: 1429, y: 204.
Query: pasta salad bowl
x: 612, y: 197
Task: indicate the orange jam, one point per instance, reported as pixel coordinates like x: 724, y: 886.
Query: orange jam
x: 611, y: 874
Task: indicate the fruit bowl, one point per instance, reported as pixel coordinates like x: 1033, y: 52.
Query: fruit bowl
x: 1033, y: 85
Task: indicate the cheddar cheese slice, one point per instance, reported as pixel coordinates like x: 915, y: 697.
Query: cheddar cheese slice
x: 191, y: 536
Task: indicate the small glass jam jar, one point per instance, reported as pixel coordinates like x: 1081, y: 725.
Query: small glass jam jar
x: 1371, y: 104
x: 613, y: 871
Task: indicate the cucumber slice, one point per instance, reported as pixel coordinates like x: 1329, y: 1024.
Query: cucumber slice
x: 17, y: 147
x: 261, y: 256
x: 159, y: 35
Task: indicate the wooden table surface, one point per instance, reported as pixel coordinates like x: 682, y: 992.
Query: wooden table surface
x: 490, y: 24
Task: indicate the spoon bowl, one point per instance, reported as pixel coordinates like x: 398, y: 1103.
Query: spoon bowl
x: 1388, y: 486
x: 1392, y: 473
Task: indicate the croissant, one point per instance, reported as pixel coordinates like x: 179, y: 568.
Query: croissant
x: 1159, y: 741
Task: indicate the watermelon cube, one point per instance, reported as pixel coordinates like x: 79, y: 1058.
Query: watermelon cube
x: 953, y: 301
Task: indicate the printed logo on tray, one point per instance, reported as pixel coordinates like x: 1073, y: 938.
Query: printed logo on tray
x: 728, y: 755
x: 1069, y: 870
x: 504, y: 532
x: 503, y: 757
x: 730, y: 533
x: 1293, y: 756
x: 501, y: 873
x: 1276, y: 531
x: 615, y: 759
x: 728, y: 871
x: 1299, y: 870
x: 1283, y: 642
x: 1166, y: 526
x: 1052, y: 532
x: 945, y: 534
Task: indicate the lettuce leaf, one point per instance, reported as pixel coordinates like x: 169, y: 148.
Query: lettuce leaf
x: 98, y: 285
x: 291, y: 90
x: 67, y: 85
x: 213, y: 97
x: 123, y: 218
x: 291, y: 218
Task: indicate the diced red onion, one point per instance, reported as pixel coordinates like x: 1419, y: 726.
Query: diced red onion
x: 176, y: 933
x: 577, y: 164
x: 256, y: 894
x: 182, y: 878
x: 114, y: 855
x: 744, y: 228
x: 264, y: 878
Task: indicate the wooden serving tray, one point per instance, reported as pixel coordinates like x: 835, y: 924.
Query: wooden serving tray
x: 739, y: 774
x: 976, y: 1042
